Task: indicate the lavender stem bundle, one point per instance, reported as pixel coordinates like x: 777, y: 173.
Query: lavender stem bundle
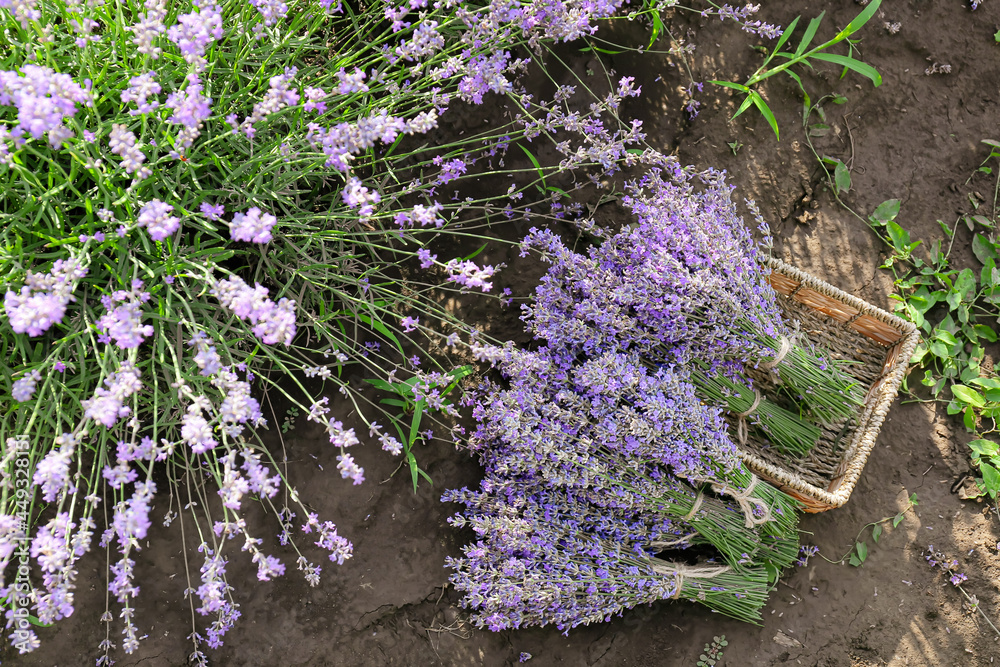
x: 784, y: 429
x: 548, y: 558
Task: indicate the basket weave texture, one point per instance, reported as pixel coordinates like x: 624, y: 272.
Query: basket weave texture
x: 880, y: 346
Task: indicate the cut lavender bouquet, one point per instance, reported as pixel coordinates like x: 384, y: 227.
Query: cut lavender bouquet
x: 685, y: 283
x: 552, y: 557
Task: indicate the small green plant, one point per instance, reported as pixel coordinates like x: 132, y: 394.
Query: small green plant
x: 289, y: 422
x: 802, y: 55
x: 713, y: 652
x: 859, y: 552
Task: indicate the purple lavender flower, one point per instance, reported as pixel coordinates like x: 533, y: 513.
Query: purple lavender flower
x: 123, y: 142
x: 24, y: 387
x: 42, y: 300
x: 140, y: 88
x: 123, y: 322
x: 271, y: 10
x: 253, y: 226
x: 409, y: 323
x: 43, y: 99
x: 155, y: 217
x: 349, y: 469
x: 351, y: 82
x: 149, y: 27
x: 194, y: 33
x: 212, y: 211
x: 196, y: 431
x: 107, y: 404
x: 22, y: 10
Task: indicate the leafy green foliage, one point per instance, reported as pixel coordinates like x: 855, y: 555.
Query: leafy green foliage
x: 713, y: 652
x: 802, y: 55
x: 956, y: 312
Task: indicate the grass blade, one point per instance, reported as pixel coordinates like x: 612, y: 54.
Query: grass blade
x: 809, y: 34
x: 859, y: 20
x: 851, y: 63
x: 765, y: 111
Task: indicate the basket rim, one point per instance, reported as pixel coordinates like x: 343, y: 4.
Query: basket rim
x: 874, y: 413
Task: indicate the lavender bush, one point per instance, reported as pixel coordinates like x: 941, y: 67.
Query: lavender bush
x: 205, y: 204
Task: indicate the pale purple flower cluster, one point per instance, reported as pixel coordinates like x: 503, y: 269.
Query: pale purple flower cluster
x: 108, y: 405
x: 52, y: 472
x: 345, y: 140
x: 43, y: 298
x: 207, y: 359
x: 212, y: 211
x: 140, y: 88
x: 421, y: 215
x: 191, y: 109
x: 253, y: 226
x: 155, y: 217
x: 122, y: 320
x: 425, y: 42
x: 360, y: 197
x: 279, y: 95
x: 194, y: 33
x: 350, y: 82
x: 314, y: 97
x: 56, y: 550
x: 271, y: 10
x: 273, y: 322
x: 44, y: 98
x: 24, y: 387
x: 468, y: 274
x: 123, y: 142
x: 149, y: 26
x: 23, y: 11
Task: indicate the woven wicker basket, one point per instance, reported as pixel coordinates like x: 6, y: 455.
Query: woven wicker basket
x: 879, y: 343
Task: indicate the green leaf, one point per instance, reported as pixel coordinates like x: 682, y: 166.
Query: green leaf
x: 969, y: 419
x: 968, y: 395
x: 534, y: 161
x: 855, y: 561
x: 983, y: 447
x: 850, y: 63
x: 896, y: 520
x: 658, y: 27
x: 766, y: 112
x: 876, y: 532
x: 862, y: 549
x: 899, y: 236
x: 859, y: 20
x: 729, y: 84
x: 886, y: 211
x: 786, y: 35
x: 983, y: 248
x: 842, y: 177
x: 743, y: 107
x: 810, y: 32
x: 991, y: 478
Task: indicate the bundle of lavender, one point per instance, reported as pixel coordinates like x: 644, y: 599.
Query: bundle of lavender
x: 633, y: 438
x: 686, y: 283
x: 549, y: 556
